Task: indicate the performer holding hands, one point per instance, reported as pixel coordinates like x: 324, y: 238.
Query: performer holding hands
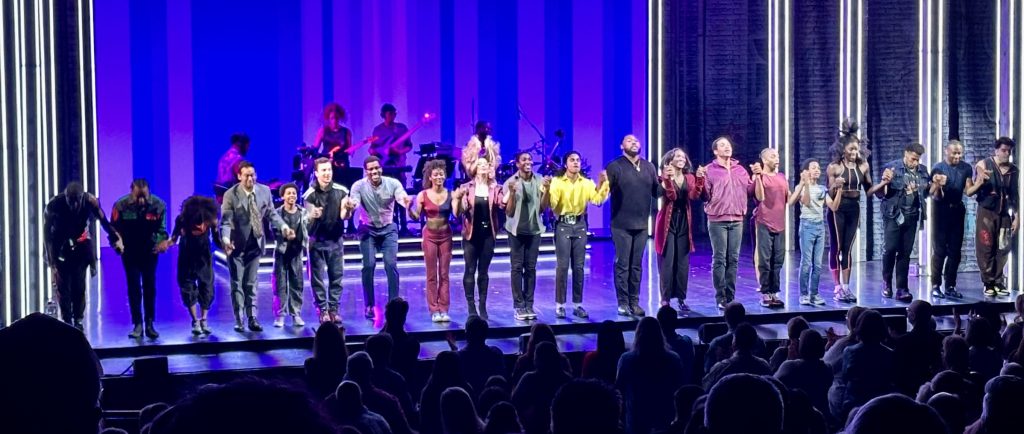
x: 673, y: 226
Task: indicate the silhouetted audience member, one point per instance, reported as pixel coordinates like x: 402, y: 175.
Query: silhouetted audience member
x: 648, y: 377
x: 1013, y: 369
x: 834, y: 349
x: 245, y: 406
x: 744, y: 403
x: 458, y: 415
x: 918, y: 353
x: 500, y: 382
x: 1000, y: 408
x: 985, y: 361
x: 790, y: 349
x: 489, y: 398
x: 532, y: 396
x: 681, y: 345
x: 743, y: 360
x: 683, y: 399
x: 445, y: 374
x: 867, y: 367
x: 696, y: 425
x: 539, y: 332
x: 720, y: 348
x: 360, y: 371
x: 346, y: 409
x: 503, y: 419
x: 603, y: 362
x: 1014, y: 330
x: 586, y: 406
x: 379, y: 347
x: 809, y: 373
x: 47, y: 368
x: 326, y: 369
x: 956, y: 355
x: 951, y: 409
x: 478, y: 360
x: 406, y: 349
x: 1017, y: 355
x: 149, y: 413
x: 895, y: 414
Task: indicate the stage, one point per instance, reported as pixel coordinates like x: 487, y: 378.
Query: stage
x: 108, y: 321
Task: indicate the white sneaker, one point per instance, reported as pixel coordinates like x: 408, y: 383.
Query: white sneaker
x: 817, y: 300
x: 279, y: 321
x: 445, y: 317
x: 435, y: 317
x: 297, y: 321
x: 805, y: 300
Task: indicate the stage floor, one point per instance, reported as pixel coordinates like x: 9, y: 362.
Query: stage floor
x: 108, y: 321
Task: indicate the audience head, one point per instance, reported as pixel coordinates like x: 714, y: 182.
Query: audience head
x: 48, y: 365
x: 150, y: 412
x: 667, y: 319
x: 329, y: 344
x: 476, y: 330
x: 684, y: 398
x: 895, y: 414
x: 744, y: 338
x: 956, y: 354
x: 1001, y: 407
x: 539, y: 332
x: 1018, y: 306
x: 360, y: 368
x: 458, y: 415
x: 547, y: 358
x: 760, y: 400
x: 1013, y: 369
x: 853, y: 316
x: 503, y: 418
x: 648, y: 338
x: 609, y: 338
x: 586, y: 406
x: 251, y: 406
x: 979, y: 333
x: 489, y: 397
x: 951, y: 409
x: 812, y: 345
x: 795, y: 326
x: 446, y: 369
x: 919, y: 314
x: 497, y: 381
x: 379, y: 347
x: 734, y: 314
x: 871, y: 328
x: 395, y: 313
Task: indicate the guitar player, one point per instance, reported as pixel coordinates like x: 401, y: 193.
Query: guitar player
x: 392, y: 152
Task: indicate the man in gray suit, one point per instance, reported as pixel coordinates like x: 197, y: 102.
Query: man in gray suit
x: 243, y: 213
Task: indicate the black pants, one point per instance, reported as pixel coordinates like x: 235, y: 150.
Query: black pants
x: 330, y: 255
x: 629, y: 253
x: 990, y: 227
x: 947, y: 241
x: 71, y: 290
x: 570, y: 250
x: 195, y: 278
x: 899, y: 244
x: 140, y: 269
x: 674, y: 266
x: 523, y: 256
x: 477, y: 252
x: 769, y: 252
x: 842, y: 230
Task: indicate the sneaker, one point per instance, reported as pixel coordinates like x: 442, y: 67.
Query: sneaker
x: 637, y: 311
x: 205, y: 327
x: 530, y: 313
x: 435, y: 317
x: 1001, y: 290
x: 887, y: 291
x: 239, y: 327
x: 766, y: 300
x: 335, y: 318
x: 368, y: 313
x: 937, y: 292
x: 445, y: 317
x: 817, y: 300
x: 721, y: 306
x: 196, y: 330
x: 776, y: 301
x: 521, y: 315
x: 297, y: 321
x: 951, y: 292
x: 805, y: 300
x: 903, y: 295
x: 580, y: 312
x: 278, y: 321
x: 254, y: 325
x: 683, y: 307
x: 623, y: 311
x: 844, y: 296
x: 325, y: 317
x: 990, y: 291
x: 560, y: 312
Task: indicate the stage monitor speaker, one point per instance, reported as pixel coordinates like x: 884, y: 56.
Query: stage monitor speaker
x: 897, y: 324
x: 709, y: 331
x: 147, y: 368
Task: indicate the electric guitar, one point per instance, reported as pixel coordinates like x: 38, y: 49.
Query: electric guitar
x: 397, y: 148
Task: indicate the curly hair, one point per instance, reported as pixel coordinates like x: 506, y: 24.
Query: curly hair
x: 666, y: 159
x: 430, y: 167
x: 848, y: 134
x: 337, y: 109
x: 196, y: 210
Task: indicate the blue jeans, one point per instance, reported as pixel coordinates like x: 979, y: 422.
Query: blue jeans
x: 384, y: 240
x: 812, y: 246
x: 725, y: 254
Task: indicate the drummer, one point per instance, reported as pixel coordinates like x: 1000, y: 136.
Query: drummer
x: 481, y: 144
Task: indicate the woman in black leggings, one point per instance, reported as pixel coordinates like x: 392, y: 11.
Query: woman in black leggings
x: 477, y: 202
x: 848, y: 174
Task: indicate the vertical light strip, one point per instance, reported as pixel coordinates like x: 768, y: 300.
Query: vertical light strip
x: 788, y: 98
x: 849, y: 44
x: 20, y: 129
x: 40, y: 158
x: 95, y: 151
x: 860, y: 61
x: 7, y: 289
x: 53, y: 159
x: 842, y: 66
x: 1016, y: 108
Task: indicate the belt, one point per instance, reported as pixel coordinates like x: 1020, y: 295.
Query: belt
x: 570, y: 219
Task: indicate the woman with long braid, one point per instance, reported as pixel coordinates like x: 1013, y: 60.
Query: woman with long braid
x: 848, y: 174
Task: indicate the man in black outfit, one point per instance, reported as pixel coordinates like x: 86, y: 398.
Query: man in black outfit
x: 69, y: 250
x: 141, y: 219
x: 634, y: 187
x: 951, y: 179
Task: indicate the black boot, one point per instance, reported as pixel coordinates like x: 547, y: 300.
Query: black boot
x: 471, y: 307
x: 150, y: 331
x: 483, y: 305
x: 136, y: 332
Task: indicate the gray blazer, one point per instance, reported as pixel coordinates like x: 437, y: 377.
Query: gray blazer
x: 234, y: 215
